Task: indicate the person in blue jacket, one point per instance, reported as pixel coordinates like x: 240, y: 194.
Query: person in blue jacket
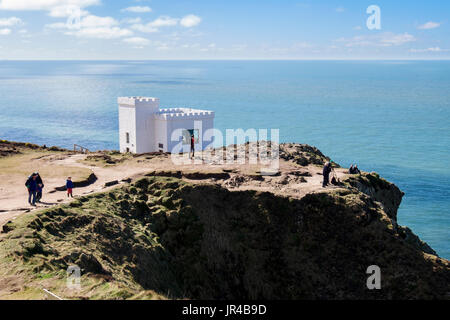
x: 69, y: 186
x: 32, y: 187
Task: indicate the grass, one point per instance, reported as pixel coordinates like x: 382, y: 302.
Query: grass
x: 107, y: 158
x: 15, y: 169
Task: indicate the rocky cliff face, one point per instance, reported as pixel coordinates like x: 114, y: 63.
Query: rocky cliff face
x: 201, y: 241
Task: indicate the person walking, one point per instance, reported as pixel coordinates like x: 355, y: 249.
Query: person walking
x: 40, y: 186
x: 326, y: 174
x: 69, y: 187
x: 32, y: 189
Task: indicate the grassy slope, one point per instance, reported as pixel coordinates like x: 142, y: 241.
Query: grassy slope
x: 18, y: 166
x: 163, y: 237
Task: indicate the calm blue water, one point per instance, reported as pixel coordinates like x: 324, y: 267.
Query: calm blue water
x: 390, y: 117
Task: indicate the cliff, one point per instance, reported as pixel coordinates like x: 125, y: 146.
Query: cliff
x: 164, y: 236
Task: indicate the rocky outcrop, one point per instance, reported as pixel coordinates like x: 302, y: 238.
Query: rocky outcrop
x: 386, y: 193
x: 303, y: 154
x: 80, y: 183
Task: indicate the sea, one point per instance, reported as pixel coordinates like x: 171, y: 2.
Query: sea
x: 391, y: 117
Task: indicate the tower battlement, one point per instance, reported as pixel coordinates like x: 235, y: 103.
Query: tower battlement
x: 134, y: 101
x: 183, y: 113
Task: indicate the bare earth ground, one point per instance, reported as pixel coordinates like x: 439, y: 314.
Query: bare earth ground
x: 293, y: 180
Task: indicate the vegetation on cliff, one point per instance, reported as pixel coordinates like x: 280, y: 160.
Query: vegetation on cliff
x: 162, y: 237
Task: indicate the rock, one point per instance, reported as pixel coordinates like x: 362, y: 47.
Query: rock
x: 111, y: 183
x: 7, y: 227
x: 89, y: 263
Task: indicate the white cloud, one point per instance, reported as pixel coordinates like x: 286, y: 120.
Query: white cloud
x: 340, y: 9
x: 10, y: 22
x: 386, y: 39
x: 92, y: 21
x: 137, y: 9
x: 67, y: 11
x: 163, y: 21
x: 58, y: 25
x: 5, y: 32
x: 94, y: 27
x: 101, y: 33
x: 144, y: 28
x: 137, y: 41
x: 429, y: 25
x: 89, y: 21
x: 44, y: 4
x: 132, y: 20
x: 390, y: 39
x: 432, y: 49
x: 190, y: 21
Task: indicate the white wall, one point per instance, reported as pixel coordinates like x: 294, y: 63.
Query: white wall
x: 127, y: 123
x: 160, y: 131
x: 145, y: 133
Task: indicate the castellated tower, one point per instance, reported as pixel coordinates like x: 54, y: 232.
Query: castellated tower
x: 144, y: 127
x: 136, y: 124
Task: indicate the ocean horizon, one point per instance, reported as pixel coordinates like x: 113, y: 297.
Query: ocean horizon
x: 388, y: 116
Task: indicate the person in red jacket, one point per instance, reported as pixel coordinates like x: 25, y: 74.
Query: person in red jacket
x: 192, y: 146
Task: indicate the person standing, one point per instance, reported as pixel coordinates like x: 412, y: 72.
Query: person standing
x: 69, y: 187
x: 192, y: 146
x: 326, y: 174
x: 32, y: 189
x: 40, y: 186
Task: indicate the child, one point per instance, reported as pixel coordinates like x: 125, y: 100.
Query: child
x: 69, y: 186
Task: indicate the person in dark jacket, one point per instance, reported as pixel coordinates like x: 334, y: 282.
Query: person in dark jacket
x: 192, y: 146
x: 69, y: 186
x: 40, y: 186
x: 354, y: 169
x: 326, y: 174
x: 32, y: 189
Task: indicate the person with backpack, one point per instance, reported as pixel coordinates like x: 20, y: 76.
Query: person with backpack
x: 32, y: 189
x: 40, y: 186
x: 351, y: 170
x: 69, y: 187
x: 326, y: 174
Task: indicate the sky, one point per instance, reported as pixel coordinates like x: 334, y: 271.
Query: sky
x: 231, y: 29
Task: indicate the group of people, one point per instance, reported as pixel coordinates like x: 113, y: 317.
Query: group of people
x: 328, y: 168
x: 35, y: 185
x: 354, y: 169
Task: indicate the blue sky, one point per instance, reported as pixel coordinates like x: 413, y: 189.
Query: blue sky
x: 210, y: 29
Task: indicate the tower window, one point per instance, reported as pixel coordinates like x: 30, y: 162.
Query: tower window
x: 127, y: 137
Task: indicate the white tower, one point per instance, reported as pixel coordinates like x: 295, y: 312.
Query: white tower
x: 136, y: 124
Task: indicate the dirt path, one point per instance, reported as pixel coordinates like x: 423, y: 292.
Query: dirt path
x: 16, y: 202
